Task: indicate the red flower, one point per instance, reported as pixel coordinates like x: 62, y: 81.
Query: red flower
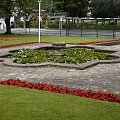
x: 51, y: 88
x: 17, y: 45
x: 7, y: 39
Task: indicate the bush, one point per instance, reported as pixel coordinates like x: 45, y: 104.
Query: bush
x: 21, y: 24
x: 34, y: 24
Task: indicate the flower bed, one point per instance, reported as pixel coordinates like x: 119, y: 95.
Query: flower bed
x: 64, y: 55
x: 8, y: 46
x: 7, y: 39
x: 57, y: 89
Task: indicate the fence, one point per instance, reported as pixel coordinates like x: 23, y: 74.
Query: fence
x: 93, y: 27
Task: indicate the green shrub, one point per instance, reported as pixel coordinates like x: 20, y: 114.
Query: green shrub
x: 54, y: 24
x: 34, y: 24
x: 21, y: 24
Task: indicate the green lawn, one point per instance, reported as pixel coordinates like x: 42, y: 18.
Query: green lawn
x: 27, y: 104
x: 34, y: 38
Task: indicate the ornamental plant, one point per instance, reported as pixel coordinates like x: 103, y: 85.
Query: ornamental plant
x: 8, y: 46
x: 68, y: 55
x: 63, y: 90
x: 45, y: 20
x: 7, y: 39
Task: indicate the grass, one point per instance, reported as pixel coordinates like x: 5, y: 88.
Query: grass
x: 34, y: 38
x: 21, y: 39
x: 71, y: 39
x: 27, y: 104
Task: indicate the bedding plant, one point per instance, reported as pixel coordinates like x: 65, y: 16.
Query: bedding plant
x: 69, y: 55
x: 7, y: 39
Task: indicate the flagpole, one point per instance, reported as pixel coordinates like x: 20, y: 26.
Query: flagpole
x: 39, y: 1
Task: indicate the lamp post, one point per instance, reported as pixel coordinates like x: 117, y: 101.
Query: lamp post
x: 39, y: 1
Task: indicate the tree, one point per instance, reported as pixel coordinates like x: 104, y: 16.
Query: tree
x: 105, y: 8
x: 117, y: 8
x: 75, y: 8
x: 47, y: 5
x: 6, y: 12
x: 9, y: 7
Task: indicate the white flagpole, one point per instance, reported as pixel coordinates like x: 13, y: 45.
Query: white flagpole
x: 39, y: 20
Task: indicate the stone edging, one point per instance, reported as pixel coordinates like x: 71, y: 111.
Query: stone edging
x: 9, y: 61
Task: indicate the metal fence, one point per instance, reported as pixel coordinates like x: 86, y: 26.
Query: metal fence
x: 93, y: 27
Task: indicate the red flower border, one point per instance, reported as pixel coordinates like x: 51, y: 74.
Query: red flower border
x: 8, y: 46
x: 57, y: 89
x: 7, y: 39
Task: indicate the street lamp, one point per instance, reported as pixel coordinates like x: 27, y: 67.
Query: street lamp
x: 39, y: 1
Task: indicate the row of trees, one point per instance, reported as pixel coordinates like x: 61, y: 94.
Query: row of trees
x: 74, y: 8
x: 105, y: 8
x: 98, y: 8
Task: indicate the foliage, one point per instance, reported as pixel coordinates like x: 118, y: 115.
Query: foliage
x: 47, y: 6
x: 98, y: 8
x: 68, y: 55
x: 101, y: 25
x: 34, y: 24
x: 16, y: 7
x: 54, y: 24
x: 75, y: 8
x: 7, y: 39
x: 45, y: 20
x: 105, y: 8
x: 21, y: 24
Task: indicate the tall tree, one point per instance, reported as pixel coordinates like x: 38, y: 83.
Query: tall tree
x: 6, y: 11
x: 75, y: 8
x: 117, y: 8
x: 8, y: 7
x: 105, y: 8
x: 47, y: 6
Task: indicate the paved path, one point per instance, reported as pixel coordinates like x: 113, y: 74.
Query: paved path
x: 104, y: 77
